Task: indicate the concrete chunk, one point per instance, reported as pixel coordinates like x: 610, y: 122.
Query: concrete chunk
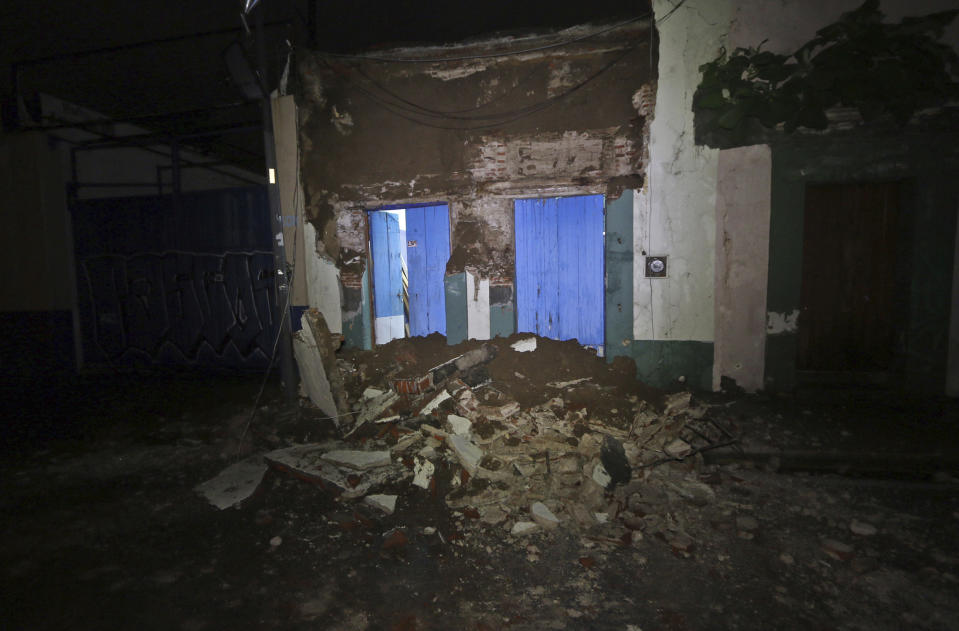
x: 468, y: 453
x: 359, y: 460
x: 234, y: 484
x: 523, y: 528
x: 435, y: 403
x: 423, y: 472
x: 543, y: 516
x: 525, y: 345
x: 312, y: 371
x: 386, y: 503
x: 459, y: 425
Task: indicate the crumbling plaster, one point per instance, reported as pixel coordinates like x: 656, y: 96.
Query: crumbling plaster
x: 575, y: 132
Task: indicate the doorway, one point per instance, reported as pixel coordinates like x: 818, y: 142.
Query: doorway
x: 559, y: 268
x: 410, y: 247
x: 848, y: 303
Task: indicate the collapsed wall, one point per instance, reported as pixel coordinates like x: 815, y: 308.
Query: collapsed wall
x: 474, y: 126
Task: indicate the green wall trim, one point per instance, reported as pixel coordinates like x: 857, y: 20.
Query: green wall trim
x: 502, y: 320
x: 660, y: 363
x: 455, y: 288
x: 357, y: 326
x: 619, y: 275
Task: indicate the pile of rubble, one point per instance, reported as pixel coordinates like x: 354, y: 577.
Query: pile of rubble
x: 454, y: 432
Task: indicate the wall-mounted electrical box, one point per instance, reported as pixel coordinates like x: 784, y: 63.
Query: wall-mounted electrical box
x: 656, y: 267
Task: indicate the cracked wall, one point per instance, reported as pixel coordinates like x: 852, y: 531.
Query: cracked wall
x: 476, y: 133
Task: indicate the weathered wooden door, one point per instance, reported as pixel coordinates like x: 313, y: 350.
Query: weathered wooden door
x: 559, y: 268
x: 387, y: 238
x: 847, y: 304
x: 428, y: 250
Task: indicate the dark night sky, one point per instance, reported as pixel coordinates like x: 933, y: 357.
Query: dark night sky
x: 191, y: 75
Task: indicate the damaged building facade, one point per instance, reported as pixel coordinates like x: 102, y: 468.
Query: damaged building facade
x: 555, y: 184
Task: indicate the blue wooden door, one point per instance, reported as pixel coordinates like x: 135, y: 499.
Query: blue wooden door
x: 428, y: 250
x: 559, y: 268
x: 388, y: 249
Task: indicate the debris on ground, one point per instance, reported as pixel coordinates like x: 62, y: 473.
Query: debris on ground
x: 571, y: 443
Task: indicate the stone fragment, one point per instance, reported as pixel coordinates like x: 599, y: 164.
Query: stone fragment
x: 787, y: 558
x: 837, y: 549
x: 459, y: 425
x: 543, y: 516
x: 600, y: 476
x: 276, y: 542
x: 423, y: 471
x: 678, y: 448
x: 434, y: 403
x: 676, y: 403
x: 358, y: 460
x: 523, y: 528
x: 372, y: 393
x: 236, y: 483
x: 468, y: 453
x: 562, y: 385
x: 524, y: 345
x: 386, y: 503
x: 862, y: 528
x: 492, y: 515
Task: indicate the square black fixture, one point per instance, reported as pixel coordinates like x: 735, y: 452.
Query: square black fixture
x: 656, y: 266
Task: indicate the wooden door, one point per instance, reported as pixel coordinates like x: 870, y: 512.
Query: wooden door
x: 559, y: 268
x: 847, y: 304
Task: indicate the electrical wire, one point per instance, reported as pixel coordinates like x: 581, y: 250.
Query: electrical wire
x: 415, y: 60
x: 497, y: 119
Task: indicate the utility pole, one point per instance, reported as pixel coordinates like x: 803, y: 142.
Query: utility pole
x: 284, y: 346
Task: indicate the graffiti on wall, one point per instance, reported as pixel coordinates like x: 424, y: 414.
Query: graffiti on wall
x: 180, y: 305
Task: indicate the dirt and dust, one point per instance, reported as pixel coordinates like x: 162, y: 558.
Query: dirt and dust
x: 101, y: 526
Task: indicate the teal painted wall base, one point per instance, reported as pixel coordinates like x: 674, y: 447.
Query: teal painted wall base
x: 660, y: 363
x: 455, y: 288
x: 502, y: 320
x: 357, y: 323
x: 619, y: 275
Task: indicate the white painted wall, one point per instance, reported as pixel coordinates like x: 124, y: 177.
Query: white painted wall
x: 477, y: 307
x: 742, y: 265
x: 675, y: 213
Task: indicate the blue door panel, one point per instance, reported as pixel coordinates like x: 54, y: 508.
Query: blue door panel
x: 388, y: 249
x: 428, y: 249
x: 559, y: 268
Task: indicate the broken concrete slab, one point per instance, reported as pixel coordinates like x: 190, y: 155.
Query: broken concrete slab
x: 467, y: 452
x: 521, y: 528
x: 326, y: 344
x: 428, y: 409
x: 358, y: 460
x: 543, y: 516
x: 386, y: 503
x: 372, y: 393
x: 313, y: 373
x: 525, y: 345
x: 306, y: 461
x: 377, y: 407
x: 235, y: 484
x: 423, y: 471
x: 459, y: 425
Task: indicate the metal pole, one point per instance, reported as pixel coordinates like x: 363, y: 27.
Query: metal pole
x: 282, y: 284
